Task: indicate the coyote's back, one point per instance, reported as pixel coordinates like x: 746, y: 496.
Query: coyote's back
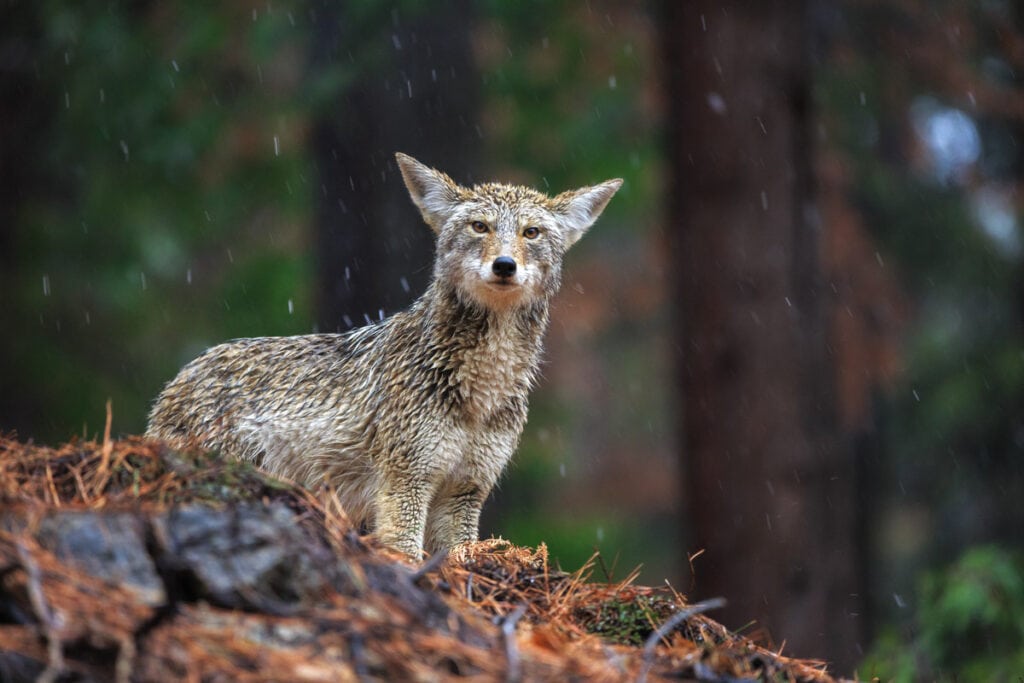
x: 412, y: 419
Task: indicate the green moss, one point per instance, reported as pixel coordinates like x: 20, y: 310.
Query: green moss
x: 626, y: 619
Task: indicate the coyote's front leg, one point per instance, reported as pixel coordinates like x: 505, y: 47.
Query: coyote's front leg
x: 454, y: 517
x: 401, y: 515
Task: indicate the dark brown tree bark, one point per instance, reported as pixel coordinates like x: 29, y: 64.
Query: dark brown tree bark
x: 24, y: 121
x: 771, y: 487
x: 415, y: 90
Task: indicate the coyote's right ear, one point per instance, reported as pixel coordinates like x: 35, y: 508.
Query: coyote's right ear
x: 433, y: 192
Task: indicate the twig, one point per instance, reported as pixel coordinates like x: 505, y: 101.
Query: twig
x: 53, y: 487
x: 80, y: 483
x: 508, y: 632
x: 125, y: 662
x: 679, y: 617
x: 693, y: 571
x: 435, y: 561
x: 357, y: 647
x: 34, y: 586
x: 599, y: 558
x: 108, y: 445
x: 103, y: 471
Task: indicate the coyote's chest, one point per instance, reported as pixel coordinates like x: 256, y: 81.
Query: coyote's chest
x: 493, y: 373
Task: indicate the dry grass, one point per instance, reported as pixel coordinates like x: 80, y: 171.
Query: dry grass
x: 489, y: 611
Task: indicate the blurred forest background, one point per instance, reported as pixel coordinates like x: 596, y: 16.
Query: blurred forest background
x: 786, y: 366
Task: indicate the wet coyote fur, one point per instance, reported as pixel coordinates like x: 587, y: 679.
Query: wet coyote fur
x: 411, y: 420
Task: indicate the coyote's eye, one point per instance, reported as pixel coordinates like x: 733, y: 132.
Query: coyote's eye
x: 479, y: 227
x: 531, y: 233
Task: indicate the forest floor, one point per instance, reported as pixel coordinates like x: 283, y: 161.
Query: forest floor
x: 126, y: 561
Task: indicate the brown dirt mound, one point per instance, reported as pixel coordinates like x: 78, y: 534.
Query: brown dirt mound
x: 123, y: 560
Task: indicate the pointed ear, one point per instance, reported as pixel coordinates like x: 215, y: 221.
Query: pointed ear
x: 433, y: 192
x: 578, y: 209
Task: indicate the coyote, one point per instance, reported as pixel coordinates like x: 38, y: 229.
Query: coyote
x: 410, y: 420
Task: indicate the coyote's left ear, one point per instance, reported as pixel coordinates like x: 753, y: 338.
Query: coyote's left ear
x: 433, y: 192
x: 578, y: 209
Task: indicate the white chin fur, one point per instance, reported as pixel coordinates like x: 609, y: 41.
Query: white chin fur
x: 491, y: 292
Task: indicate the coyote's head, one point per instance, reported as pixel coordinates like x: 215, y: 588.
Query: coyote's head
x: 501, y: 246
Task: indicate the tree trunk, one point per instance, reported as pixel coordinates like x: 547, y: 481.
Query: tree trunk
x: 414, y: 91
x: 771, y: 487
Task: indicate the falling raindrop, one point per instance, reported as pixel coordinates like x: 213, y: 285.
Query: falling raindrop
x: 277, y: 147
x: 142, y: 280
x: 717, y: 103
x: 291, y: 307
x: 404, y: 283
x: 600, y: 533
x: 612, y: 82
x: 174, y: 63
x: 188, y: 276
x: 46, y: 285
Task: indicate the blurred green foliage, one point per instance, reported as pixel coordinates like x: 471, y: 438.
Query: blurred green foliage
x: 968, y: 624
x: 173, y: 207
x: 569, y: 97
x: 946, y: 467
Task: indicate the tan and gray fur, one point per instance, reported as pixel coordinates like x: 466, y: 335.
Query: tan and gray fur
x: 411, y: 420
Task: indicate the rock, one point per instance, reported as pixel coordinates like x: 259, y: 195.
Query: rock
x: 109, y: 545
x: 247, y: 557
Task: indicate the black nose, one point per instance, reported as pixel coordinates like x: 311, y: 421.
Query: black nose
x: 504, y: 266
